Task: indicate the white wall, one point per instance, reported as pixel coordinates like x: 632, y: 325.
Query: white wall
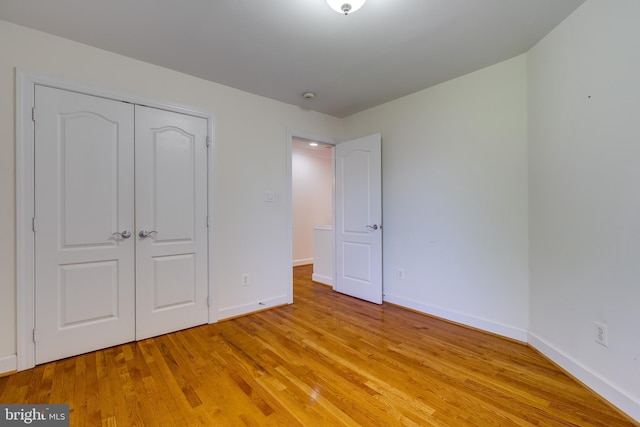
x: 584, y: 160
x: 250, y: 147
x: 454, y: 161
x: 312, y: 198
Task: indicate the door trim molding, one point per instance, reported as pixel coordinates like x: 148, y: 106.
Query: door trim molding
x: 291, y: 134
x: 25, y: 195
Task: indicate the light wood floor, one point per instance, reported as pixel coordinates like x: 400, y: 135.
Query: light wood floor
x: 326, y: 360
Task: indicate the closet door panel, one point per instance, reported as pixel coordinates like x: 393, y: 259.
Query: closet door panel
x: 171, y: 216
x: 84, y: 271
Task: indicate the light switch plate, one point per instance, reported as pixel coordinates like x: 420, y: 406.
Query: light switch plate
x: 269, y: 196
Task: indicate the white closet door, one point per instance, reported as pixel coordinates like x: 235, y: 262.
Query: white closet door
x: 84, y: 244
x: 171, y: 218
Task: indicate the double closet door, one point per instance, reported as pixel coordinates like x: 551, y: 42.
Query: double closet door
x: 120, y: 222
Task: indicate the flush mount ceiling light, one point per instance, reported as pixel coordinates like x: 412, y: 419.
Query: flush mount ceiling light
x: 345, y: 6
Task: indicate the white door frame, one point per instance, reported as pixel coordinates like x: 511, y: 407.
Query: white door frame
x: 291, y: 134
x: 25, y: 247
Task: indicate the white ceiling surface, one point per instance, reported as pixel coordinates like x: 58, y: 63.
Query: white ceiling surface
x: 282, y: 48
x: 302, y: 146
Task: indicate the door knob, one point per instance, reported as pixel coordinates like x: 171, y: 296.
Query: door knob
x: 145, y: 233
x: 124, y: 234
x: 372, y: 227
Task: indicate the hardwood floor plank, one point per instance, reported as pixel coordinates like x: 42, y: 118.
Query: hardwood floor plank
x: 326, y: 360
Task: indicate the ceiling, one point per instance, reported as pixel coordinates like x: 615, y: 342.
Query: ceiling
x: 322, y: 149
x: 282, y: 48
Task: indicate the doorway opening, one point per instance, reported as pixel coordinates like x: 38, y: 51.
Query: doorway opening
x: 311, y: 205
x: 356, y: 247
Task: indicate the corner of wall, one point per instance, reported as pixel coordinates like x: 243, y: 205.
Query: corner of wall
x: 584, y: 375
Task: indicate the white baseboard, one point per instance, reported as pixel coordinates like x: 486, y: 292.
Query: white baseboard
x: 472, y: 321
x: 305, y: 261
x: 8, y: 364
x: 599, y: 385
x: 241, y: 310
x: 322, y: 279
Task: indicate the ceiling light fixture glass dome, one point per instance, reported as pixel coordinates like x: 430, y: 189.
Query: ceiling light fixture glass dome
x: 345, y: 6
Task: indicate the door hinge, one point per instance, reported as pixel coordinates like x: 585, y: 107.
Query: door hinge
x: 35, y: 336
x: 207, y: 221
x: 208, y: 141
x: 33, y: 113
x: 208, y: 301
x: 33, y: 223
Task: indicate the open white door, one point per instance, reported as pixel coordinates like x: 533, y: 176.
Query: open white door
x: 359, y: 218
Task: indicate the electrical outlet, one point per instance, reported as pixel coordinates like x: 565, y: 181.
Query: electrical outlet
x: 245, y: 279
x: 602, y: 335
x: 401, y: 274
